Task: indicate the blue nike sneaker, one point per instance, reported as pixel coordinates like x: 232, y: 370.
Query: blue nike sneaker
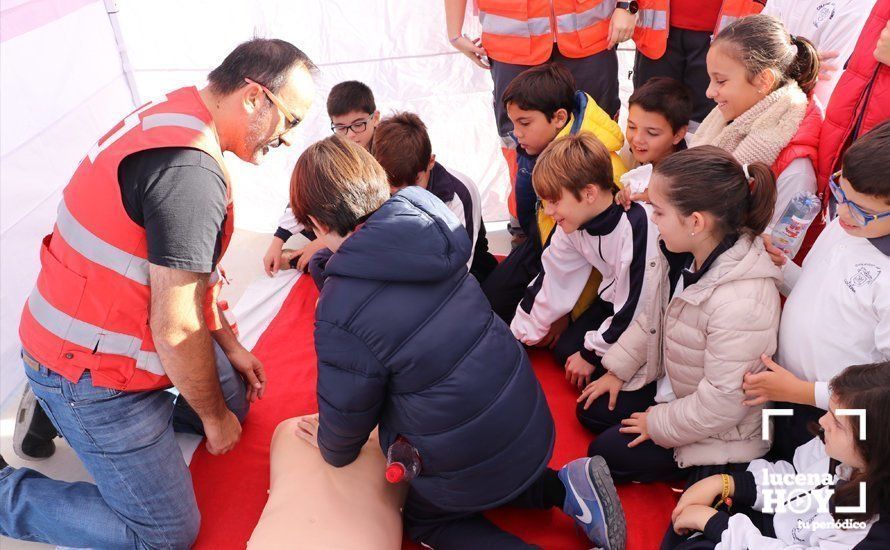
x: 593, y: 503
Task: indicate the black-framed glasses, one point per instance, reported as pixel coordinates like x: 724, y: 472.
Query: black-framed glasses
x: 860, y: 216
x: 292, y: 119
x: 357, y: 127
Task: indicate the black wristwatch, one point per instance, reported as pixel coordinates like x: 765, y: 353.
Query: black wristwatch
x: 632, y: 7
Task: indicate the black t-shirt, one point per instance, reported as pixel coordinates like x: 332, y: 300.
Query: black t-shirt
x: 179, y: 196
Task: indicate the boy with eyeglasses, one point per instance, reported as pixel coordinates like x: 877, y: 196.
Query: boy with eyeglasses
x: 838, y: 307
x: 354, y: 116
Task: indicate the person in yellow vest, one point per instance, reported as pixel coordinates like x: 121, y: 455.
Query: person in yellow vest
x: 519, y: 34
x: 125, y: 307
x: 673, y: 37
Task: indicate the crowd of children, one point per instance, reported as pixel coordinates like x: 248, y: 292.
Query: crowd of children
x: 657, y: 289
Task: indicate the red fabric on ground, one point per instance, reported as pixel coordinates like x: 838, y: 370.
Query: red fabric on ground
x: 231, y: 489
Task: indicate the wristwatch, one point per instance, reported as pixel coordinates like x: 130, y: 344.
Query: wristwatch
x: 632, y: 7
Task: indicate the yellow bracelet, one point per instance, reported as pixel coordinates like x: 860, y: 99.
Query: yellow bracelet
x: 724, y: 496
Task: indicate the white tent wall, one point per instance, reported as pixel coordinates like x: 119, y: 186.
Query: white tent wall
x: 61, y: 87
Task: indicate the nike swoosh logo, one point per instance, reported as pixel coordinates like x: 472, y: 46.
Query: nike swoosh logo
x: 586, y: 516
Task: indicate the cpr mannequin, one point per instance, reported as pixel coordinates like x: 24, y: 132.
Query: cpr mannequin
x: 314, y: 505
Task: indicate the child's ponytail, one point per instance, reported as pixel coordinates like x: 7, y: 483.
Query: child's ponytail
x: 762, y: 197
x: 805, y: 67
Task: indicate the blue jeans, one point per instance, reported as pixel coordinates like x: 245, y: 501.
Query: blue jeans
x: 143, y: 496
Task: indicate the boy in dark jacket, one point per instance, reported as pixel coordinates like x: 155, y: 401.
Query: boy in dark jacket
x: 406, y: 340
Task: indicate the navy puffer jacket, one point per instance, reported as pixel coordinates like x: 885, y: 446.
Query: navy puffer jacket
x: 406, y: 339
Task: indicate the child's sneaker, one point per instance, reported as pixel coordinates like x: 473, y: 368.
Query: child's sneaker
x: 592, y: 501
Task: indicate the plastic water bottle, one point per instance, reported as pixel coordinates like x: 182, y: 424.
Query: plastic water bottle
x: 402, y: 461
x: 789, y: 231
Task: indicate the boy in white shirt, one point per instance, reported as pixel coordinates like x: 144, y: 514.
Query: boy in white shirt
x: 838, y: 307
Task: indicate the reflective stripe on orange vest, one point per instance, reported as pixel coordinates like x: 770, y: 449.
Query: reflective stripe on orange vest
x: 574, y: 22
x: 656, y: 20
x: 499, y: 24
x: 98, y: 251
x: 90, y: 336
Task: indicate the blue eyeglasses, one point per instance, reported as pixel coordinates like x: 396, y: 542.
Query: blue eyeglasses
x: 860, y: 216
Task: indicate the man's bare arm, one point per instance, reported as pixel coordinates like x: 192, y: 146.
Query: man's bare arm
x: 184, y: 345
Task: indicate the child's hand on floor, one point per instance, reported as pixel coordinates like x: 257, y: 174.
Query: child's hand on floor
x: 578, y: 371
x: 704, y: 492
x: 776, y: 384
x: 693, y: 518
x: 636, y: 424
x: 272, y: 259
x: 307, y: 428
x: 556, y: 330
x: 607, y: 383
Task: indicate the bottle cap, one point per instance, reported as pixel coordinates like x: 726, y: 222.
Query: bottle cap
x: 395, y: 472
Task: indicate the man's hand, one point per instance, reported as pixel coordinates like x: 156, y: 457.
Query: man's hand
x: 307, y: 428
x: 556, y: 330
x: 621, y: 27
x: 251, y: 369
x: 578, y: 371
x: 693, y: 518
x: 222, y: 434
x: 775, y: 254
x: 272, y: 259
x: 776, y: 384
x: 636, y: 424
x: 882, y: 48
x: 607, y: 383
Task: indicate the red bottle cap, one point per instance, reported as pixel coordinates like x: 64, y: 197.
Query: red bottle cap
x: 395, y: 472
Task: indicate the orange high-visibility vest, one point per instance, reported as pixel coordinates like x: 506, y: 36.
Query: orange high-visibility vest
x: 522, y: 32
x: 90, y: 307
x: 653, y: 22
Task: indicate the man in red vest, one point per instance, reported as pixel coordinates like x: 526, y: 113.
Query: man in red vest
x: 125, y: 307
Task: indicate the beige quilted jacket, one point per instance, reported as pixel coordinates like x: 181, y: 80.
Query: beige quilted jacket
x: 705, y: 339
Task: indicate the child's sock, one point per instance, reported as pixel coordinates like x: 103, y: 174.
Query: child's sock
x: 554, y: 490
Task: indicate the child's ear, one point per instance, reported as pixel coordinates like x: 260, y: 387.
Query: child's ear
x: 561, y: 117
x: 318, y: 228
x: 591, y: 193
x: 764, y: 81
x: 431, y: 163
x: 680, y: 134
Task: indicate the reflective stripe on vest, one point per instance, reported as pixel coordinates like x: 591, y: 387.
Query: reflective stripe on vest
x: 98, y: 251
x: 657, y: 20
x: 90, y: 336
x: 173, y: 119
x: 499, y: 24
x: 574, y: 22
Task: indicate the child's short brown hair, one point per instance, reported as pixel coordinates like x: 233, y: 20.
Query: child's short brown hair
x: 338, y: 183
x: 867, y: 162
x: 668, y: 97
x: 573, y: 162
x: 402, y: 146
x: 347, y: 97
x: 547, y: 88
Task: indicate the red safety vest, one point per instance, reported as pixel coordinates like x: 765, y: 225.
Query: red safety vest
x: 90, y: 307
x: 522, y: 32
x: 653, y: 21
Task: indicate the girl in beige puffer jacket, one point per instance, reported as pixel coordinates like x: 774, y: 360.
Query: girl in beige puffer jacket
x: 706, y: 324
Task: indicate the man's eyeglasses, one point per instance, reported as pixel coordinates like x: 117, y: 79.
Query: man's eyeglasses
x: 357, y: 127
x: 292, y: 119
x: 860, y: 216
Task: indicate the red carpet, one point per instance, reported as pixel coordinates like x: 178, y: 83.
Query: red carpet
x: 231, y: 489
